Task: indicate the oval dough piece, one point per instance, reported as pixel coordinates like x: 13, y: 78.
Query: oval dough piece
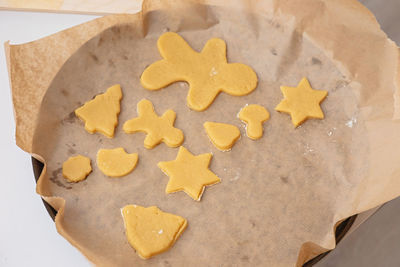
x: 151, y: 231
x: 222, y: 135
x: 254, y: 116
x: 116, y: 162
x: 77, y: 168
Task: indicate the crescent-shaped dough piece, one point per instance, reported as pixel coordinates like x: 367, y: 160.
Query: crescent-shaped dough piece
x: 116, y: 162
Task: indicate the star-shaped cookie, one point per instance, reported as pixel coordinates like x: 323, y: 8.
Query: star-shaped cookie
x: 302, y: 102
x: 189, y: 173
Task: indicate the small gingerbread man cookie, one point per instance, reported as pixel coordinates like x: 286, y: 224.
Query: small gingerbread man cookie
x: 158, y: 129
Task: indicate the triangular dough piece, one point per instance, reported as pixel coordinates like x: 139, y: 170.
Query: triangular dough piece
x: 101, y: 113
x: 222, y: 135
x: 151, y: 231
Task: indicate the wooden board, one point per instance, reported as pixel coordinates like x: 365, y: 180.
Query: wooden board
x: 101, y: 7
x: 387, y: 12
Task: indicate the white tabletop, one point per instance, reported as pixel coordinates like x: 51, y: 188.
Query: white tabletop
x: 28, y: 236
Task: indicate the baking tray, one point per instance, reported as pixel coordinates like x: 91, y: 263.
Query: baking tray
x: 386, y: 16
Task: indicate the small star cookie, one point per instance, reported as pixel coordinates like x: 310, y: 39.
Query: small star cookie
x: 76, y: 169
x: 101, y: 113
x: 189, y: 173
x: 208, y: 72
x: 116, y: 162
x: 158, y: 129
x: 151, y: 231
x: 254, y: 116
x: 302, y: 102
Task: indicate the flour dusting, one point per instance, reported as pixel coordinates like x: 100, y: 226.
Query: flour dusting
x: 236, y: 177
x: 351, y: 123
x: 308, y: 149
x: 331, y: 131
x: 213, y: 72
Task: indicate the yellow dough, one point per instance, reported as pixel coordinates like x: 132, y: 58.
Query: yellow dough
x: 101, y: 113
x: 207, y: 72
x: 116, y: 162
x: 302, y: 102
x: 76, y: 169
x: 189, y: 173
x: 151, y: 231
x: 222, y: 135
x: 254, y: 116
x: 158, y: 129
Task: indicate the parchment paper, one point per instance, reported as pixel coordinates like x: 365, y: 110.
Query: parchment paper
x: 281, y: 196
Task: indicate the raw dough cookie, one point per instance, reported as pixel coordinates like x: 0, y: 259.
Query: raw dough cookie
x: 222, y: 135
x: 302, y: 102
x: 254, y: 116
x: 76, y: 169
x: 189, y: 173
x: 158, y: 129
x: 151, y: 231
x: 116, y: 162
x: 207, y: 72
x: 101, y: 113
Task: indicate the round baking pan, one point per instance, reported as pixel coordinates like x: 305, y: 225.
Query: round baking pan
x: 340, y: 232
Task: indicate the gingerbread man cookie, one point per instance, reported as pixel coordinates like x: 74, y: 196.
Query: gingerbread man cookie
x: 158, y: 129
x: 208, y: 72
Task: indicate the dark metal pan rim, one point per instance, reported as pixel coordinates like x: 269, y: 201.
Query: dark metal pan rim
x: 340, y: 231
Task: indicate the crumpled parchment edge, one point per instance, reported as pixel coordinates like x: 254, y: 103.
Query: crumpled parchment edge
x: 29, y: 81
